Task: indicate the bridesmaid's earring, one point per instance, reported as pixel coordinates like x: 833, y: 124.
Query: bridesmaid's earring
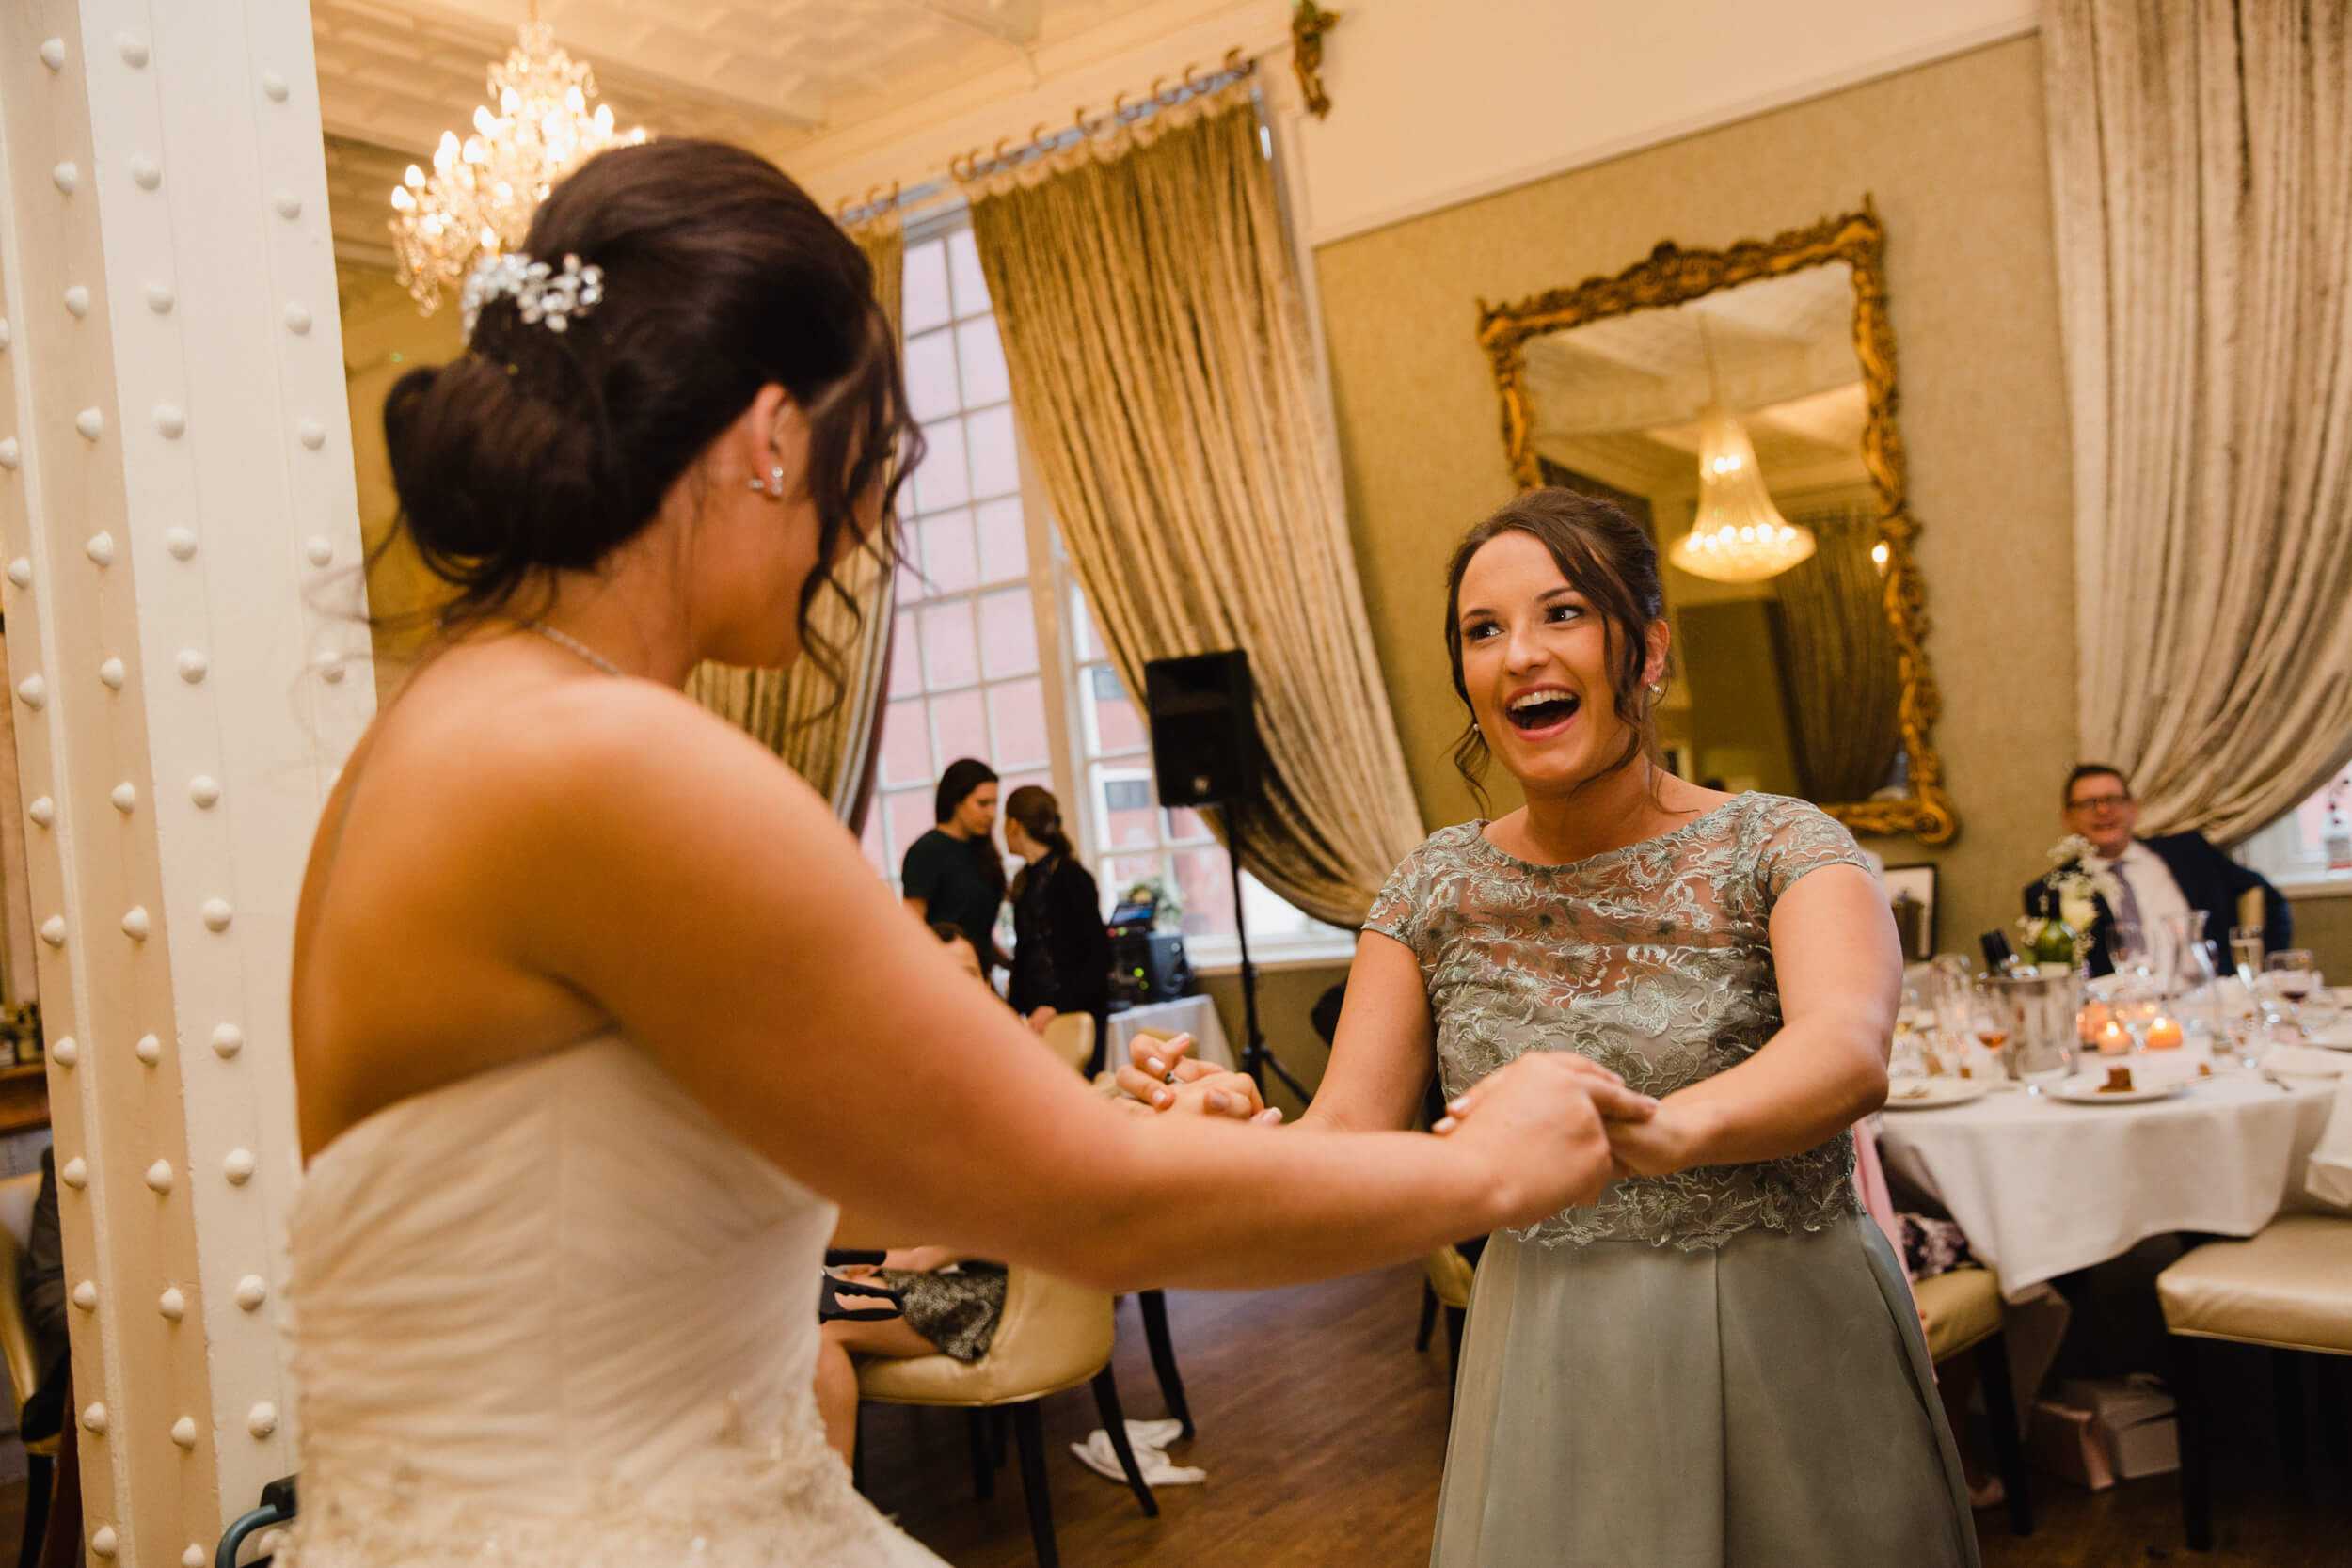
x: 773, y: 487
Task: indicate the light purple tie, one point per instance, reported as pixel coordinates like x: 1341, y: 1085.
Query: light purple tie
x: 2126, y: 911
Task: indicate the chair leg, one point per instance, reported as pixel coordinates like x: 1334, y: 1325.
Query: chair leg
x: 984, y: 1464
x: 1154, y: 1305
x: 998, y: 1426
x: 1028, y: 1435
x: 2192, y: 1411
x: 1428, y: 1316
x: 2286, y: 1387
x: 40, y: 1478
x: 1454, y: 1318
x: 2000, y: 1409
x: 1115, y: 1424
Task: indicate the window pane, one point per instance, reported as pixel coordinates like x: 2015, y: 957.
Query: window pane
x: 949, y: 657
x: 1112, y: 722
x: 1007, y: 634
x: 1126, y: 811
x: 995, y: 460
x: 1125, y: 872
x: 943, y: 479
x: 906, y: 671
x: 1272, y: 915
x: 1004, y: 541
x: 1041, y: 777
x: 957, y: 728
x: 923, y: 301
x: 1016, y: 710
x: 1205, y: 885
x: 948, y: 559
x: 1185, y: 825
x: 906, y: 745
x: 930, y: 371
x: 985, y: 378
x: 910, y: 815
x: 1083, y: 637
x: 963, y: 266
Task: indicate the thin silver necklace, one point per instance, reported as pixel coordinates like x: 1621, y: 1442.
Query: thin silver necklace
x: 574, y: 646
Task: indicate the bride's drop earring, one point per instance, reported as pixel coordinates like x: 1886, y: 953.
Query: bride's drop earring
x: 773, y: 485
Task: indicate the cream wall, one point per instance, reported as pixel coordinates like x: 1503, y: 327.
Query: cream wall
x: 1953, y: 154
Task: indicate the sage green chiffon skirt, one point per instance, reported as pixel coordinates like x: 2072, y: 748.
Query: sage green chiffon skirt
x: 1765, y: 1404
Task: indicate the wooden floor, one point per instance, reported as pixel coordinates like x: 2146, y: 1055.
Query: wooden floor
x: 1324, y: 1436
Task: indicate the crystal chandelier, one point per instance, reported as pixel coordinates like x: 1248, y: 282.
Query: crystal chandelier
x: 1739, y: 536
x: 479, y: 196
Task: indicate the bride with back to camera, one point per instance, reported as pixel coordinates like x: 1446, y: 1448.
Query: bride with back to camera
x: 598, y: 1012
x: 1718, y: 1365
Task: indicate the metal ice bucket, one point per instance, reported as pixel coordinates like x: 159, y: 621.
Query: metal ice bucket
x: 2037, y: 1016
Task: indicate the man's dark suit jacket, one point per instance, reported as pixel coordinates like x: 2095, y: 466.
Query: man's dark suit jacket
x: 2209, y: 880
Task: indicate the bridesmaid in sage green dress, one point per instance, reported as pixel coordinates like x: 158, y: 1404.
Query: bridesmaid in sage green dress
x: 1717, y: 1364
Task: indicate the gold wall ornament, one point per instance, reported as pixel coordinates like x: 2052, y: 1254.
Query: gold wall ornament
x: 1309, y: 22
x: 1671, y: 276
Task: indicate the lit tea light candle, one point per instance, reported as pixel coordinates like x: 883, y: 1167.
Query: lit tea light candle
x: 2163, y: 1034
x: 2113, y: 1041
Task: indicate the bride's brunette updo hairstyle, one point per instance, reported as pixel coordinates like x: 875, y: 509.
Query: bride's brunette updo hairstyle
x: 538, y: 451
x: 1609, y: 558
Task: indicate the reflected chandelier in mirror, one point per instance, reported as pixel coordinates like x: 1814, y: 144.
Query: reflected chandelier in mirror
x: 1741, y: 405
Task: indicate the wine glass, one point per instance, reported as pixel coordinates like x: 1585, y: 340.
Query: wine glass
x: 2292, y: 971
x: 2245, y: 952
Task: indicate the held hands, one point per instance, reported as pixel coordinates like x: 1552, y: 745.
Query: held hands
x: 1537, y: 1126
x: 1161, y: 1075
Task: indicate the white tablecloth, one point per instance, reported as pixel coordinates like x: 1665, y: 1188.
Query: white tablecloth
x: 2043, y: 1188
x: 1187, y: 1015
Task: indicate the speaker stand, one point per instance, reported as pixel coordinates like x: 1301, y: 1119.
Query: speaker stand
x: 1256, y: 1060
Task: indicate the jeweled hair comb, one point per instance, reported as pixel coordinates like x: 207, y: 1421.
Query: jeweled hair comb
x: 546, y: 295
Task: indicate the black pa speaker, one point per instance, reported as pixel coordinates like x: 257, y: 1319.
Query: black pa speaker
x: 1204, y: 740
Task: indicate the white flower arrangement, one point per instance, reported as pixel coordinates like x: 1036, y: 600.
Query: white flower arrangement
x: 2079, y: 886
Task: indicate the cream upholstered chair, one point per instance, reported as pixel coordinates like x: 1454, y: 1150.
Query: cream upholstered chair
x: 1446, y: 1280
x: 1962, y: 1309
x: 2290, y: 1289
x: 1051, y: 1335
x: 17, y: 1194
x: 1070, y: 1037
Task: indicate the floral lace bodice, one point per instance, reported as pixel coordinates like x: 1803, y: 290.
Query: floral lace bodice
x: 1655, y: 960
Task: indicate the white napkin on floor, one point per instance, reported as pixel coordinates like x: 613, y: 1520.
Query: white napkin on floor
x: 1150, y: 1440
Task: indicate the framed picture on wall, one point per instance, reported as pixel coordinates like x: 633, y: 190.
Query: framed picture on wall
x: 1912, y: 890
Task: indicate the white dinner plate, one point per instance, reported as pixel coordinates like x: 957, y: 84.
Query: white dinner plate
x: 1926, y: 1094
x: 2088, y: 1090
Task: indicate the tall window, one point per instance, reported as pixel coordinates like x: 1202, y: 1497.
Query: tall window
x: 994, y: 654
x: 2296, y: 847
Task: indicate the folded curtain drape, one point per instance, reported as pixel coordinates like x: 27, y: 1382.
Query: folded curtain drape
x: 1163, y: 374
x: 2203, y: 204
x: 794, y: 712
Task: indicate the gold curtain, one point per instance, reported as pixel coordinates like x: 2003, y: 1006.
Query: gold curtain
x: 2203, y: 204
x: 793, y: 712
x: 1844, y: 689
x: 1162, y: 372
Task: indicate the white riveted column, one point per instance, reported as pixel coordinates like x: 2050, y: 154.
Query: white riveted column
x: 162, y: 411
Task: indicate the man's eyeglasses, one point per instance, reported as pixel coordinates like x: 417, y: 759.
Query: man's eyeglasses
x: 2091, y: 802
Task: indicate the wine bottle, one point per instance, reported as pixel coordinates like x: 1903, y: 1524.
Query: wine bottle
x: 1999, y: 955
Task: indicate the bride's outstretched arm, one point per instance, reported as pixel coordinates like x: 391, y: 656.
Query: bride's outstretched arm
x: 730, y: 925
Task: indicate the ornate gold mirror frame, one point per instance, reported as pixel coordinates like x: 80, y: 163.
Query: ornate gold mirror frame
x: 1671, y: 276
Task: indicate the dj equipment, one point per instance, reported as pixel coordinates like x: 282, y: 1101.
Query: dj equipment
x: 1204, y: 741
x: 1150, y: 966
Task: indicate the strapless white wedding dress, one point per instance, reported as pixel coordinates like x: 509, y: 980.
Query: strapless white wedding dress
x: 556, y: 1315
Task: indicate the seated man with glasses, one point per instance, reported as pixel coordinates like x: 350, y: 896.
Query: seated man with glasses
x: 2153, y: 876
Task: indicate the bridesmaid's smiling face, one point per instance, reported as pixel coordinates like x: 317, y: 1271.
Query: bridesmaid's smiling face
x: 1536, y: 661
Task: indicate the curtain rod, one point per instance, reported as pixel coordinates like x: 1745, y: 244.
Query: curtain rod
x: 1236, y: 66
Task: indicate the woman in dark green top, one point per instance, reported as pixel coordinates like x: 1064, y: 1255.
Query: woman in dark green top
x: 953, y: 874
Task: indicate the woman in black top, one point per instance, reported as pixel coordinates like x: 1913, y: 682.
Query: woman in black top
x: 1061, y: 953
x: 952, y: 874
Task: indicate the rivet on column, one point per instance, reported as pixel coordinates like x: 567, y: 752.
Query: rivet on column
x: 3, y: 332
x: 145, y: 173
x: 134, y: 923
x: 10, y: 455
x: 77, y: 302
x: 101, y: 1541
x: 184, y: 1433
x: 180, y: 543
x: 171, y: 420
x: 171, y: 1304
x: 91, y: 423
x: 288, y: 204
x: 34, y: 690
x: 217, y: 914
x: 297, y: 317
x: 67, y: 177
x: 126, y: 795
x: 134, y: 49
x: 94, y: 1418
x: 204, y: 790
x: 44, y: 810
x: 320, y: 552
x: 74, y: 1173
x: 53, y: 930
x: 330, y: 664
x: 64, y: 1051
x: 159, y: 1177
x: 192, y: 665
x: 238, y: 1167
x: 228, y: 1040
x: 101, y: 547
x: 86, y: 1295
x: 159, y: 297
x: 112, y: 674
x: 251, y: 1292
x: 53, y: 54
x: 274, y: 87
x: 21, y: 572
x: 195, y: 1557
x: 261, y: 1419
x: 149, y: 1050
x: 311, y: 433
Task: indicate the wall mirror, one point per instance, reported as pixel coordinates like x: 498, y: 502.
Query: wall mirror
x: 1741, y: 405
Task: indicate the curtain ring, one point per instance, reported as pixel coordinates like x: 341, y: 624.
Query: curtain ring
x: 1197, y: 88
x: 1232, y: 59
x: 1155, y: 85
x: 1118, y: 105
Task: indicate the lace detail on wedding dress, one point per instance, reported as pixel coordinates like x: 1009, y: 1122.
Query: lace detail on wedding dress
x: 555, y: 1316
x: 1656, y: 961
